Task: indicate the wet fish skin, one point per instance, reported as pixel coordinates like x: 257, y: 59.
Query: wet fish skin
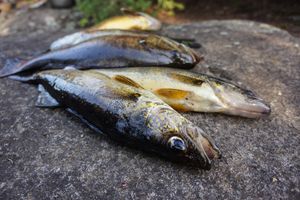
x: 113, y: 51
x: 130, y: 115
x: 190, y: 91
x: 82, y: 36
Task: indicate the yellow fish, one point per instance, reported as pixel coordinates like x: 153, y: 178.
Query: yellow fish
x: 190, y: 91
x: 129, y: 21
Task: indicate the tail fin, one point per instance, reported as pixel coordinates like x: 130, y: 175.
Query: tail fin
x: 11, y: 67
x: 24, y: 78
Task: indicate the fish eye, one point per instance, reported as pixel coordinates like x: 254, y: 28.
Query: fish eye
x: 177, y: 143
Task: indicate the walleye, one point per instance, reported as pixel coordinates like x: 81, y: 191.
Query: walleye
x: 131, y: 20
x: 112, y: 26
x: 190, y: 91
x: 113, y: 51
x: 128, y: 114
x: 82, y: 36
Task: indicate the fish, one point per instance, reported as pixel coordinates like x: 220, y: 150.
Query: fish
x: 112, y: 51
x: 188, y: 91
x: 127, y: 114
x: 84, y: 35
x: 131, y: 20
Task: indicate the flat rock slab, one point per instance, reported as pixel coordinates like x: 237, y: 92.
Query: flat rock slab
x: 49, y: 154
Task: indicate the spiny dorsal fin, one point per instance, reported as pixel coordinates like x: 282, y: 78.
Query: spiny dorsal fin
x: 127, y: 11
x: 127, y: 81
x: 171, y: 93
x: 187, y: 79
x: 126, y: 93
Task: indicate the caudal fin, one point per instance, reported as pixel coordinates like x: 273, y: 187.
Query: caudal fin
x: 23, y: 78
x: 12, y: 66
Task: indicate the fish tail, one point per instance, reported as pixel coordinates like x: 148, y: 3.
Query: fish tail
x: 24, y: 78
x: 11, y: 67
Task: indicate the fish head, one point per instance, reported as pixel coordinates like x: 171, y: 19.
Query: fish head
x: 183, y: 54
x: 149, y: 23
x: 235, y: 100
x: 190, y: 144
x: 180, y: 139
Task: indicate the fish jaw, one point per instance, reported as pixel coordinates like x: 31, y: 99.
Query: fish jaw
x: 196, y: 57
x: 193, y: 146
x: 240, y: 102
x: 153, y: 24
x: 256, y: 109
x: 204, y: 149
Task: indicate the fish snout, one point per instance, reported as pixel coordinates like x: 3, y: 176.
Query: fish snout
x: 202, y: 147
x: 196, y: 57
x: 155, y: 24
x: 252, y: 109
x: 241, y: 102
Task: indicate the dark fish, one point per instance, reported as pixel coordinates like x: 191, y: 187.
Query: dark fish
x: 85, y: 35
x: 113, y: 51
x: 128, y: 114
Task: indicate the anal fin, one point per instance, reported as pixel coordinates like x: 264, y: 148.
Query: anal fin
x: 45, y: 100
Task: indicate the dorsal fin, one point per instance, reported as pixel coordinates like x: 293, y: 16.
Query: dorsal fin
x: 187, y: 79
x: 127, y: 81
x: 171, y: 93
x: 128, y: 11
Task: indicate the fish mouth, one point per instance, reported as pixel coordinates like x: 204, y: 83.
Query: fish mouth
x: 256, y: 110
x: 206, y: 149
x: 241, y: 102
x: 196, y: 56
x: 155, y: 24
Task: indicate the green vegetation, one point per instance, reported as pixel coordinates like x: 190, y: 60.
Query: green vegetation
x: 96, y: 10
x: 169, y: 6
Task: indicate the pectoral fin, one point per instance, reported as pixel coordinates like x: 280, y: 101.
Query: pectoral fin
x: 127, y: 81
x: 45, y: 99
x: 172, y: 93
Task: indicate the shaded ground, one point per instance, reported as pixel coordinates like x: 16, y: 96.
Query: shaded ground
x: 49, y: 154
x: 284, y: 14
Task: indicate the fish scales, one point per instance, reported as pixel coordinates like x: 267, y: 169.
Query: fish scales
x: 130, y: 115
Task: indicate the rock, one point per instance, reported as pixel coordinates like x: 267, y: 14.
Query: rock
x: 49, y: 154
x: 51, y: 22
x: 48, y: 20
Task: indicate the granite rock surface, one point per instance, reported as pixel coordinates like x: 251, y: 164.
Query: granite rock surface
x: 49, y: 154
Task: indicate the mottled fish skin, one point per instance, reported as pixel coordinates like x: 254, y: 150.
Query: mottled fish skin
x: 82, y: 36
x: 130, y: 21
x: 113, y: 51
x: 190, y: 91
x: 130, y: 115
